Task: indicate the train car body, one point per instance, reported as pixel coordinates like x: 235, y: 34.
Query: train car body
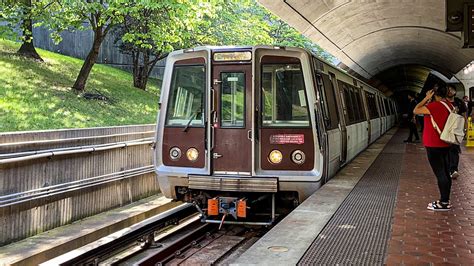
x: 248, y: 132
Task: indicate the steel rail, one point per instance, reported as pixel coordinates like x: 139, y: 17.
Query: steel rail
x: 54, y: 190
x: 91, y: 254
x: 167, y: 253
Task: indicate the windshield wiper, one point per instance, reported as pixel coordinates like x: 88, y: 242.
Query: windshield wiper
x: 189, y: 122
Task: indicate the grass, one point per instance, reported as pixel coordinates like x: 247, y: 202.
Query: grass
x: 36, y: 96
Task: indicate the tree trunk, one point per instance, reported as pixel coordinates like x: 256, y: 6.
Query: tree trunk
x: 27, y: 49
x: 142, y: 71
x: 91, y: 58
x: 140, y: 76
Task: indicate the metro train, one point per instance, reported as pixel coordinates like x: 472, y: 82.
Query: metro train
x: 248, y: 133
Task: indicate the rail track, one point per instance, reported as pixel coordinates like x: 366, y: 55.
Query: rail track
x: 175, y: 237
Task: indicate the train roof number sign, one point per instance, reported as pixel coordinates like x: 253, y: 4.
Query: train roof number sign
x: 287, y: 139
x: 232, y: 56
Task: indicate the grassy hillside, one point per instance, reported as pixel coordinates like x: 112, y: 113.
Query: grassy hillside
x: 37, y: 95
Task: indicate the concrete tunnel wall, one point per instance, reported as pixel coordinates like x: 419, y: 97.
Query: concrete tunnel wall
x: 370, y: 37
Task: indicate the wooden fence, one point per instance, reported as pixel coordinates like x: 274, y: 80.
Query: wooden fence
x: 52, y: 178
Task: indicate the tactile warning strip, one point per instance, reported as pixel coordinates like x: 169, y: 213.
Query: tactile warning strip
x: 359, y: 231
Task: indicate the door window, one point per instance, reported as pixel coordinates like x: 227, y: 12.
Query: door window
x: 233, y: 100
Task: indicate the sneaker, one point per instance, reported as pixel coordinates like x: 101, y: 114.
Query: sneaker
x: 408, y: 141
x: 455, y: 175
x: 439, y: 206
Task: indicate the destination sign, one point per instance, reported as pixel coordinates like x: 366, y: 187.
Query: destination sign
x: 233, y: 56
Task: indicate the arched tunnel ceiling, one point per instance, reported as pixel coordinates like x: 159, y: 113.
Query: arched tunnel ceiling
x: 373, y: 36
x: 404, y: 78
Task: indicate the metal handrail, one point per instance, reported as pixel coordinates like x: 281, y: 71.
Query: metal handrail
x: 35, y: 194
x: 24, y: 153
x: 78, y: 150
x: 73, y: 139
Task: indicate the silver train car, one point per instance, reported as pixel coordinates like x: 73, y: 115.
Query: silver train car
x: 247, y: 133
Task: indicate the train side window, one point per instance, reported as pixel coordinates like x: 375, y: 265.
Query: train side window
x: 387, y: 109
x: 374, y: 107
x: 382, y: 109
x: 186, y: 99
x: 355, y: 103
x: 348, y: 103
x: 373, y: 113
x: 283, y: 96
x: 360, y: 106
x: 330, y: 101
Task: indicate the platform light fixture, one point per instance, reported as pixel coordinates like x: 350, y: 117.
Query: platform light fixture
x: 468, y: 68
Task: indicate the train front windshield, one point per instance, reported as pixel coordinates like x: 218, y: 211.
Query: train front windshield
x: 284, y: 100
x: 186, y: 105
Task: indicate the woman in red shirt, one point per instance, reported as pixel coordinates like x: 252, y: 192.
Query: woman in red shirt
x: 436, y: 149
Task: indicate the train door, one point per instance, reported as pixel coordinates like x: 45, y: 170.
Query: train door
x: 331, y: 122
x: 365, y: 102
x: 232, y: 124
x: 382, y: 114
x: 342, y: 120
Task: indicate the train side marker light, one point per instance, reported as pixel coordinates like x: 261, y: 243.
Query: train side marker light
x: 192, y: 154
x: 242, y: 208
x: 212, y: 207
x: 275, y: 157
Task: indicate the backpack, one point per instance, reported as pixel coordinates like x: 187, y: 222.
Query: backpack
x: 453, y: 131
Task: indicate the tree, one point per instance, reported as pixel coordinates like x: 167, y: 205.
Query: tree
x: 21, y: 15
x: 99, y: 16
x: 151, y: 30
x: 236, y: 23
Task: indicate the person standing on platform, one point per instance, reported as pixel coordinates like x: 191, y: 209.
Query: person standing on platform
x: 412, y: 120
x: 468, y: 104
x: 436, y: 149
x: 455, y: 150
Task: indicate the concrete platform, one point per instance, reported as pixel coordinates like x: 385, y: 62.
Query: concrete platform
x: 288, y: 241
x: 50, y: 244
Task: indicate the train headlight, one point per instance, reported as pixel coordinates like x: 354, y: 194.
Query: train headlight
x: 275, y: 157
x: 298, y: 157
x: 175, y: 153
x: 192, y: 154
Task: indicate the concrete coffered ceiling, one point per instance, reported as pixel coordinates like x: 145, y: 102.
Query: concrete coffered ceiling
x: 374, y: 36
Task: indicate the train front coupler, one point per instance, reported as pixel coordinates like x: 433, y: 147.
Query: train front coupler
x: 219, y: 209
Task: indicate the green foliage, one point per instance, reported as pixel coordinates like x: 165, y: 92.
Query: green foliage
x: 169, y: 25
x: 164, y: 26
x: 36, y: 96
x: 13, y: 12
x: 236, y: 23
x: 85, y: 14
x: 245, y: 22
